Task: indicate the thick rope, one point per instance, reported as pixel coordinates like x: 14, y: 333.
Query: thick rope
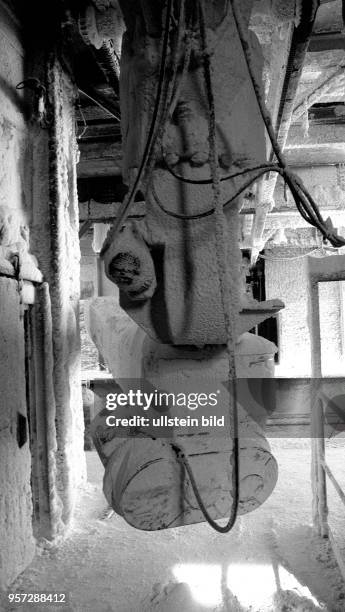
x: 221, y: 240
x: 126, y: 204
x: 171, y: 88
x: 304, y: 201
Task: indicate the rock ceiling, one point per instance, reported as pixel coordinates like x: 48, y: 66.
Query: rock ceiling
x: 317, y: 133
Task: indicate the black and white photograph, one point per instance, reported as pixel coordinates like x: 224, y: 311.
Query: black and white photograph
x: 172, y: 305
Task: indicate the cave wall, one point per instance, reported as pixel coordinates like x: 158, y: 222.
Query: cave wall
x: 17, y: 544
x: 38, y: 213
x: 54, y: 227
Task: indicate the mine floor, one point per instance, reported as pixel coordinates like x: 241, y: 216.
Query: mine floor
x: 272, y: 561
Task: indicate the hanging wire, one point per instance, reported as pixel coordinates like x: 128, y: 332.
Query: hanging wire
x: 208, y: 181
x: 304, y: 201
x: 125, y: 207
x: 172, y: 86
x: 211, y: 211
x: 85, y: 126
x: 99, y: 104
x: 221, y: 252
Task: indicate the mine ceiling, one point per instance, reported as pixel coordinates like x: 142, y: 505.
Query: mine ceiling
x: 319, y: 99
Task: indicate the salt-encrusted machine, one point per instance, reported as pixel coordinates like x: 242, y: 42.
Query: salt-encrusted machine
x: 193, y: 127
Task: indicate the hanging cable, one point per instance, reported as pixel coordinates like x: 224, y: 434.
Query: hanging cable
x: 171, y: 87
x: 99, y: 104
x: 304, y: 201
x: 208, y: 181
x: 85, y: 126
x: 126, y: 204
x: 221, y: 251
x: 211, y: 211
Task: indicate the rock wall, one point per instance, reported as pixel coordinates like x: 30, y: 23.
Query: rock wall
x: 37, y: 191
x: 17, y: 546
x: 55, y: 242
x: 62, y: 270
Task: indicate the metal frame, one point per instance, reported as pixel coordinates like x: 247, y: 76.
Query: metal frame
x: 42, y: 411
x: 325, y: 269
x: 320, y: 494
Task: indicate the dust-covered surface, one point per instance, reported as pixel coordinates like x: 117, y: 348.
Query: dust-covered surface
x: 16, y: 543
x: 15, y: 493
x: 270, y: 562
